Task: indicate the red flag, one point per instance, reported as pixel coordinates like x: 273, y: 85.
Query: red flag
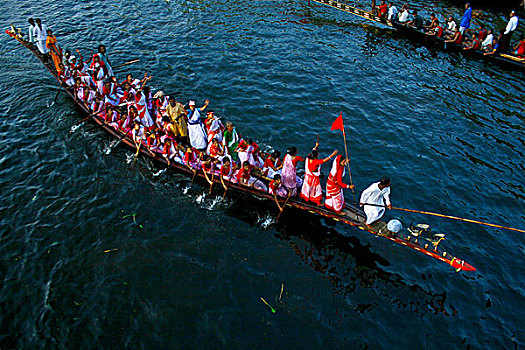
x: 338, y: 123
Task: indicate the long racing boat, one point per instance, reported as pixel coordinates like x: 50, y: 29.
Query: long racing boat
x: 419, y: 239
x: 501, y: 59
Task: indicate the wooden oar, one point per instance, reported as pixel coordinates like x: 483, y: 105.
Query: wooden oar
x: 138, y: 150
x: 284, y: 205
x: 193, y: 178
x: 449, y: 217
x: 125, y: 64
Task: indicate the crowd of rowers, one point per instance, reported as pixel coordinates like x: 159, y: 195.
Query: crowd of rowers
x: 180, y: 134
x: 480, y: 39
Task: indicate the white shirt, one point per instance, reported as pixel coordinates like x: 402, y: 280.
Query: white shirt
x: 40, y: 34
x: 392, y: 12
x: 403, y: 16
x: 512, y: 25
x: 373, y: 195
x: 31, y: 37
x: 452, y: 26
x: 487, y: 41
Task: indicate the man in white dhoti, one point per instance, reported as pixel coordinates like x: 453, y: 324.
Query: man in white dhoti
x: 31, y: 31
x: 196, y: 130
x: 41, y: 36
x: 378, y: 194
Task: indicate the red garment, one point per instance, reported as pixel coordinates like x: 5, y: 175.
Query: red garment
x: 439, y: 32
x: 225, y: 171
x: 521, y: 48
x: 476, y: 44
x: 383, y: 9
x: 244, y: 174
x: 206, y: 167
x: 214, y: 150
x: 313, y: 164
x: 297, y: 159
x: 482, y: 34
x: 334, y: 194
x: 459, y: 39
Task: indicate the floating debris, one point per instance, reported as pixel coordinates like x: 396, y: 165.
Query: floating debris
x: 134, y: 215
x: 110, y: 250
x: 271, y: 308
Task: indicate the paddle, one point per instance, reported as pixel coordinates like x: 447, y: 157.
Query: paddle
x: 193, y: 178
x: 284, y: 205
x: 56, y: 96
x: 448, y: 217
x: 126, y: 64
x: 138, y: 150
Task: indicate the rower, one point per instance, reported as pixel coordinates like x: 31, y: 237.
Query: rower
x: 311, y: 190
x: 99, y: 73
x: 457, y: 38
x: 417, y: 22
x: 228, y: 172
x: 451, y: 26
x: 473, y: 44
x: 216, y: 151
x: 244, y: 177
x: 289, y: 172
x: 382, y: 9
x: 488, y: 40
x: 196, y: 130
x: 519, y: 49
x: 376, y: 196
x: 403, y: 15
x: 276, y: 187
x: 272, y: 165
x: 464, y: 25
x: 335, y: 199
x: 392, y: 12
x: 230, y: 141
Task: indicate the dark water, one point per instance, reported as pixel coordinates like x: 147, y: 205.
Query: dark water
x: 448, y: 131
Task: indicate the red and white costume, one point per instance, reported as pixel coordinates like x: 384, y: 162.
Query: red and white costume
x: 334, y: 187
x: 269, y: 165
x: 142, y: 108
x: 110, y: 95
x: 278, y: 189
x: 289, y: 176
x: 311, y: 190
x: 229, y: 174
x: 215, y: 129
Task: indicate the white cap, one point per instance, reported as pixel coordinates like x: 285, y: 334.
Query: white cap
x: 191, y: 103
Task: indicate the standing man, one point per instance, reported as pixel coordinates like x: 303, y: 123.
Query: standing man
x: 392, y: 12
x: 41, y: 37
x: 378, y: 194
x: 465, y: 20
x: 31, y: 31
x: 511, y: 27
x: 175, y: 110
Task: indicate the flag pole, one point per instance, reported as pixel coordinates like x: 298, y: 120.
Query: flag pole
x: 348, y: 165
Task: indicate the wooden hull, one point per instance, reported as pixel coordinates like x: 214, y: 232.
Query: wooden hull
x: 350, y: 215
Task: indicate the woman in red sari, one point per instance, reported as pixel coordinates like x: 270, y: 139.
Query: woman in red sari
x: 311, y: 190
x: 334, y: 186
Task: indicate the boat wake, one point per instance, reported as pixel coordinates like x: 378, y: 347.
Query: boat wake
x: 160, y: 172
x: 129, y: 158
x: 266, y: 221
x: 110, y: 147
x: 74, y: 128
